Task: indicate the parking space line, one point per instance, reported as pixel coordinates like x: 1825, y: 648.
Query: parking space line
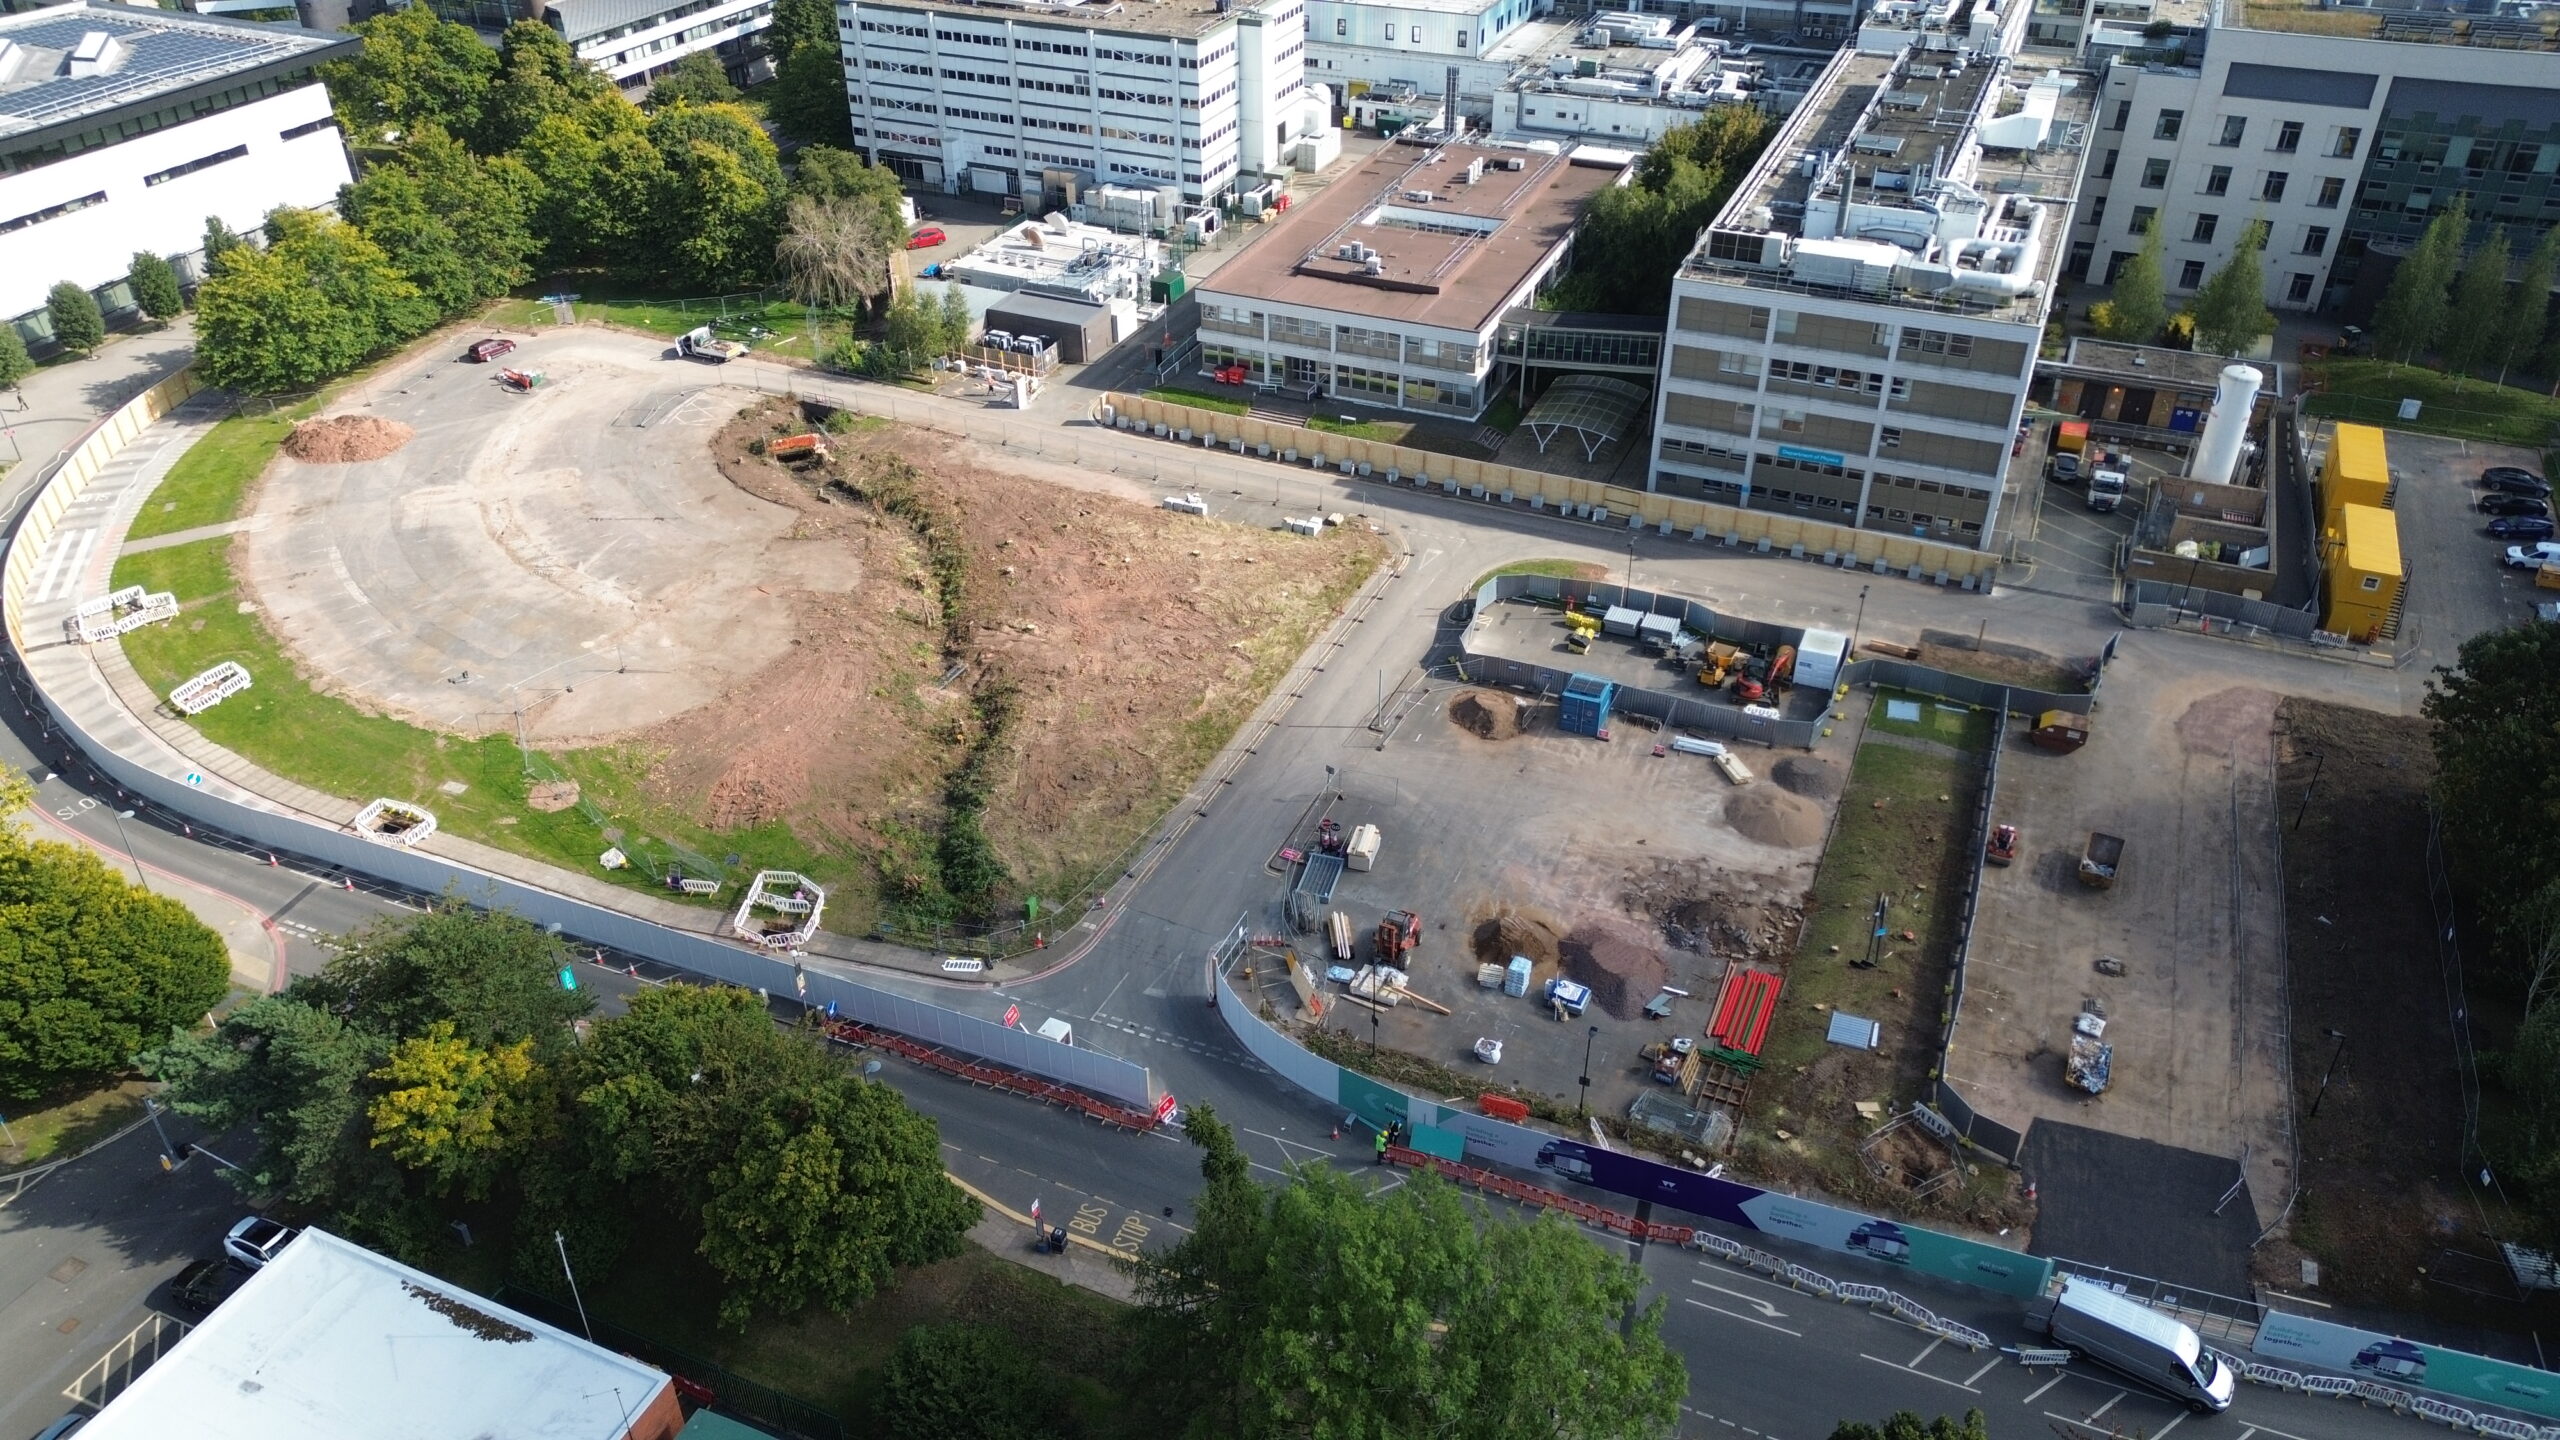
x: 1747, y: 1320
x: 1925, y: 1351
x: 2049, y: 1384
x: 2174, y: 1421
x: 1986, y: 1369
x: 2103, y: 1409
x: 1923, y: 1374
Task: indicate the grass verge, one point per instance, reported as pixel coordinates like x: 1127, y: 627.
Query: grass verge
x: 63, y: 1125
x: 2370, y: 391
x: 1199, y: 400
x: 1556, y: 569
x: 1389, y: 432
x: 205, y: 487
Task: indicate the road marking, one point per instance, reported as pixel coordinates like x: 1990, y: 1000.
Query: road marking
x: 1923, y: 1374
x: 1745, y: 1319
x: 1985, y: 1370
x: 2174, y: 1422
x: 1925, y: 1352
x: 1754, y: 1301
x: 2103, y: 1409
x: 2049, y: 1384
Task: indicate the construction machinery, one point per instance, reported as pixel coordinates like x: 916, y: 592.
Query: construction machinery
x: 2002, y: 847
x: 1718, y: 665
x: 796, y: 449
x: 700, y: 344
x: 1581, y: 624
x: 520, y: 381
x: 1398, y: 934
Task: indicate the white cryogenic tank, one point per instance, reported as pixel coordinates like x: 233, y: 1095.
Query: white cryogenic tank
x: 2218, y: 453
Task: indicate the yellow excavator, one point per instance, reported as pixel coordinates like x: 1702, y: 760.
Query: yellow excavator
x: 1721, y: 657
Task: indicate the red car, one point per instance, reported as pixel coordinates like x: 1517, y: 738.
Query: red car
x: 926, y: 237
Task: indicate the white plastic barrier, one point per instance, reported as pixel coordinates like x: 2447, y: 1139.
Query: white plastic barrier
x: 118, y: 613
x: 202, y: 693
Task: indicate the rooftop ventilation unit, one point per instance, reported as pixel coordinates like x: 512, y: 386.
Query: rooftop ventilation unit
x: 1418, y: 197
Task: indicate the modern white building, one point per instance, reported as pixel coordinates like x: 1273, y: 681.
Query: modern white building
x: 1853, y: 337
x: 1053, y: 97
x: 1389, y: 287
x: 637, y: 41
x: 2342, y: 142
x: 1615, y: 93
x: 122, y: 129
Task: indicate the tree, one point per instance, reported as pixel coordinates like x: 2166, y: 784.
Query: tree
x: 1321, y: 1308
x: 719, y: 196
x: 15, y: 364
x: 93, y: 970
x: 2521, y: 330
x: 538, y: 76
x: 957, y: 323
x: 595, y: 176
x: 2231, y: 310
x: 298, y: 1076
x: 1635, y: 236
x: 910, y: 330
x: 2138, y: 305
x: 2497, y: 747
x: 155, y: 285
x: 2412, y: 313
x: 77, y: 324
x: 490, y: 977
x: 808, y: 94
x: 454, y: 1110
x: 457, y: 226
x: 834, y: 252
x: 414, y: 69
x: 219, y: 240
x: 2479, y: 309
x: 698, y: 79
x: 312, y: 305
x: 966, y: 1382
x: 1907, y: 1425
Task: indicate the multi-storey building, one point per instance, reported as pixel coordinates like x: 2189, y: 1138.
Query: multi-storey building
x: 1852, y: 339
x: 1632, y: 94
x: 1389, y: 287
x: 1024, y: 97
x: 2342, y: 141
x: 122, y: 129
x: 633, y: 41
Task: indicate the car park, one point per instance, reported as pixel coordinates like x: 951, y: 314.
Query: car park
x: 2499, y: 502
x: 2064, y: 469
x: 2521, y: 527
x: 2515, y: 481
x: 2533, y: 556
x: 255, y: 1241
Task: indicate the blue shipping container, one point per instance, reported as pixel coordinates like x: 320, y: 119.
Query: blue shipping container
x: 1585, y: 707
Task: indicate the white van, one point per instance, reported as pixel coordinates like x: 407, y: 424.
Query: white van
x: 2133, y: 1339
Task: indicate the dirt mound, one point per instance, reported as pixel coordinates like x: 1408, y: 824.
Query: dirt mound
x: 1487, y: 717
x: 1508, y: 932
x: 345, y: 439
x: 1774, y: 817
x: 1807, y: 775
x: 552, y: 796
x: 1618, y: 962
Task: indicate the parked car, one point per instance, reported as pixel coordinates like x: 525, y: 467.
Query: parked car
x: 2499, y: 502
x: 64, y: 1428
x: 2533, y: 556
x: 926, y: 237
x: 2515, y: 481
x: 255, y: 1241
x: 201, y: 1286
x: 2064, y: 469
x: 484, y: 351
x: 2521, y: 527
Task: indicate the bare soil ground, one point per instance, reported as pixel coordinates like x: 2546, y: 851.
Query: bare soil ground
x: 1136, y: 639
x: 2382, y: 1198
x: 2001, y: 664
x: 346, y: 439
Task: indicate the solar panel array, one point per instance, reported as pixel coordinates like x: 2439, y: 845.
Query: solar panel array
x: 163, y: 54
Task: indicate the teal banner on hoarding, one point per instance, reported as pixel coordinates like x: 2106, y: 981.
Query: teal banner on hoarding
x: 2301, y: 1340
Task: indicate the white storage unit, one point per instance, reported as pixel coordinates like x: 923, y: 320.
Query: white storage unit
x: 1819, y: 656
x: 1362, y: 851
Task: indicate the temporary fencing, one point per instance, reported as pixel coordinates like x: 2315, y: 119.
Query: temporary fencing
x: 994, y: 1077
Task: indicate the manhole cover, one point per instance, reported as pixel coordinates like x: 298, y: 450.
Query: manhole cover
x: 69, y: 1270
x: 67, y: 1326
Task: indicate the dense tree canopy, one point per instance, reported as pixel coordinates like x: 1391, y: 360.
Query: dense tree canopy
x: 458, y: 227
x: 15, y: 364
x: 808, y: 98
x: 698, y: 79
x: 1322, y: 1309
x: 1907, y: 1425
x: 155, y: 285
x: 2411, y: 317
x: 414, y: 69
x: 1635, y: 236
x: 313, y: 304
x: 93, y: 970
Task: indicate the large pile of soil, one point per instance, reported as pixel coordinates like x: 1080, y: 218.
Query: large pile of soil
x: 1509, y: 931
x: 345, y: 439
x: 1774, y: 817
x: 1486, y: 716
x: 1621, y: 967
x: 1807, y: 775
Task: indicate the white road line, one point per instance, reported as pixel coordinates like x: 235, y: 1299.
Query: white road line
x: 1934, y: 1343
x: 1754, y: 1301
x: 2174, y: 1422
x: 2103, y: 1409
x: 1745, y: 1319
x: 1987, y: 1367
x: 2038, y: 1393
x: 1923, y: 1374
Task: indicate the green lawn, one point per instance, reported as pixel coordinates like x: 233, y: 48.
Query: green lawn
x: 206, y: 485
x: 1199, y: 400
x: 2370, y: 391
x: 1391, y: 432
x: 329, y: 744
x: 1957, y: 725
x: 1557, y: 569
x: 67, y: 1124
x: 787, y: 323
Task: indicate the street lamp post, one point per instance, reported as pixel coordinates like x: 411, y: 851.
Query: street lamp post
x: 138, y: 877
x: 1583, y: 1110
x: 1854, y: 625
x: 2341, y: 1037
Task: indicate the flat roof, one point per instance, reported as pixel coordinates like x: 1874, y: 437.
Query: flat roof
x: 1451, y: 261
x: 1176, y: 19
x: 333, y: 1342
x: 2373, y: 539
x: 2181, y: 369
x: 2360, y: 452
x: 50, y: 79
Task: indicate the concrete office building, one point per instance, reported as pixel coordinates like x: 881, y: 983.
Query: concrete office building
x: 121, y: 129
x: 634, y: 41
x: 2342, y: 142
x: 1389, y: 287
x: 1853, y: 337
x: 1034, y: 97
x: 1632, y: 94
